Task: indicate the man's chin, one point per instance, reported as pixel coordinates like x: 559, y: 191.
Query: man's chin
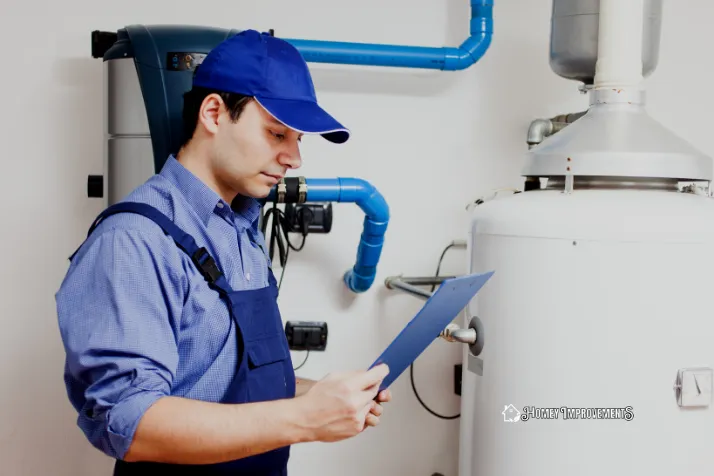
x: 259, y: 191
x: 257, y: 188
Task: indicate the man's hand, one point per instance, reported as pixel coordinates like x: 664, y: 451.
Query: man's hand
x: 342, y: 405
x: 376, y: 411
x: 302, y: 385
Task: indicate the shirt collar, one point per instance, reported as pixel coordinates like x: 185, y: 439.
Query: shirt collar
x: 247, y: 208
x: 202, y: 198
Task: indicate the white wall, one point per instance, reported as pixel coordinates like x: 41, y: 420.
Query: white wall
x: 433, y: 140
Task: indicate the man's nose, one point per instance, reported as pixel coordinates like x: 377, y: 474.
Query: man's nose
x: 291, y: 158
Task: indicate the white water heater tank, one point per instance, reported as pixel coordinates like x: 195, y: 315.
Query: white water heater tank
x: 595, y: 333
x: 599, y: 308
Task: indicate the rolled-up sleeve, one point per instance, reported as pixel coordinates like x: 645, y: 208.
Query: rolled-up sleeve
x: 119, y: 309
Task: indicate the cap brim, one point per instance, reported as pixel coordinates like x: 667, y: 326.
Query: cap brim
x: 305, y: 117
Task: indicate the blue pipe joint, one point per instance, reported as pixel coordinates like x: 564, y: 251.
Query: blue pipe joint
x: 481, y: 17
x: 361, y: 276
x: 477, y: 44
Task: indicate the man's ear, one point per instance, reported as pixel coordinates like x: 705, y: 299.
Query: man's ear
x: 209, y: 113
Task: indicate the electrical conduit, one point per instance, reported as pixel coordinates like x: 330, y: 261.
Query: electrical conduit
x: 447, y: 58
x: 352, y: 190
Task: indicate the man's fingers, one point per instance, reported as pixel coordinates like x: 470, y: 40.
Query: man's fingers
x: 373, y: 376
x: 372, y: 417
x: 371, y: 420
x: 384, y: 396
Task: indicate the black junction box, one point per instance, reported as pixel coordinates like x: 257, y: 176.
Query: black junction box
x: 306, y: 335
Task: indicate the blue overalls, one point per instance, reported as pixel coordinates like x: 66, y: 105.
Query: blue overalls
x: 260, y: 334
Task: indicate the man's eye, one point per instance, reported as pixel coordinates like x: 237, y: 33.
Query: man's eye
x: 278, y: 135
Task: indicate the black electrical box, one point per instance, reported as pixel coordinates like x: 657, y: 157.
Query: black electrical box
x: 306, y: 335
x: 309, y: 217
x: 457, y: 379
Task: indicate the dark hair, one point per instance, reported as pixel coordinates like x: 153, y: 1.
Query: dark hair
x: 192, y: 101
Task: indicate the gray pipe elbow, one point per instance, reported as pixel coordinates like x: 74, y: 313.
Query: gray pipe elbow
x: 542, y: 128
x: 538, y: 131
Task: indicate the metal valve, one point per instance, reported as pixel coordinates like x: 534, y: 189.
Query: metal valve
x: 453, y: 333
x: 472, y: 336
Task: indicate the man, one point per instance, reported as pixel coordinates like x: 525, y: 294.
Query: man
x: 176, y: 354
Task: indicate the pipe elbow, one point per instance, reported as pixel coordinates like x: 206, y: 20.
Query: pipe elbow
x: 367, y: 197
x: 470, y: 51
x: 539, y: 130
x: 476, y: 45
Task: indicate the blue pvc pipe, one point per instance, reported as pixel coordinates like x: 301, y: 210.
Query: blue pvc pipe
x: 368, y: 54
x: 361, y: 276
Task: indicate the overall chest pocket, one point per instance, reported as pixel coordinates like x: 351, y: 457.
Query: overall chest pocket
x: 268, y: 362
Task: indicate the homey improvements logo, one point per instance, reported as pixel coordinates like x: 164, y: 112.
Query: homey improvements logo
x: 511, y: 414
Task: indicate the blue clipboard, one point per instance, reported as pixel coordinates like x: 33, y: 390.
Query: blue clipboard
x: 439, y: 311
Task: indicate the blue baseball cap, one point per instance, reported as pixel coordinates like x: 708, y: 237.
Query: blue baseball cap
x: 275, y: 74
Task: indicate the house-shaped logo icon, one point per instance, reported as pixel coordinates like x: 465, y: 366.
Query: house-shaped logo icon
x: 511, y: 414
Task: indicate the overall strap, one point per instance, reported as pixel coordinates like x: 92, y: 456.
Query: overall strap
x: 200, y: 257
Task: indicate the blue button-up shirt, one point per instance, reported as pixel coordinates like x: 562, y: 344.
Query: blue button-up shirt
x: 137, y: 319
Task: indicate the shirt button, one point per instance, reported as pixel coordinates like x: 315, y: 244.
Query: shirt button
x: 247, y: 276
x: 220, y: 205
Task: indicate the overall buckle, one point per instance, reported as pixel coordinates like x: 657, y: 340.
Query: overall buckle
x: 206, y: 265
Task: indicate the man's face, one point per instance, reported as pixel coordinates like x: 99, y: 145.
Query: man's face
x: 251, y: 155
